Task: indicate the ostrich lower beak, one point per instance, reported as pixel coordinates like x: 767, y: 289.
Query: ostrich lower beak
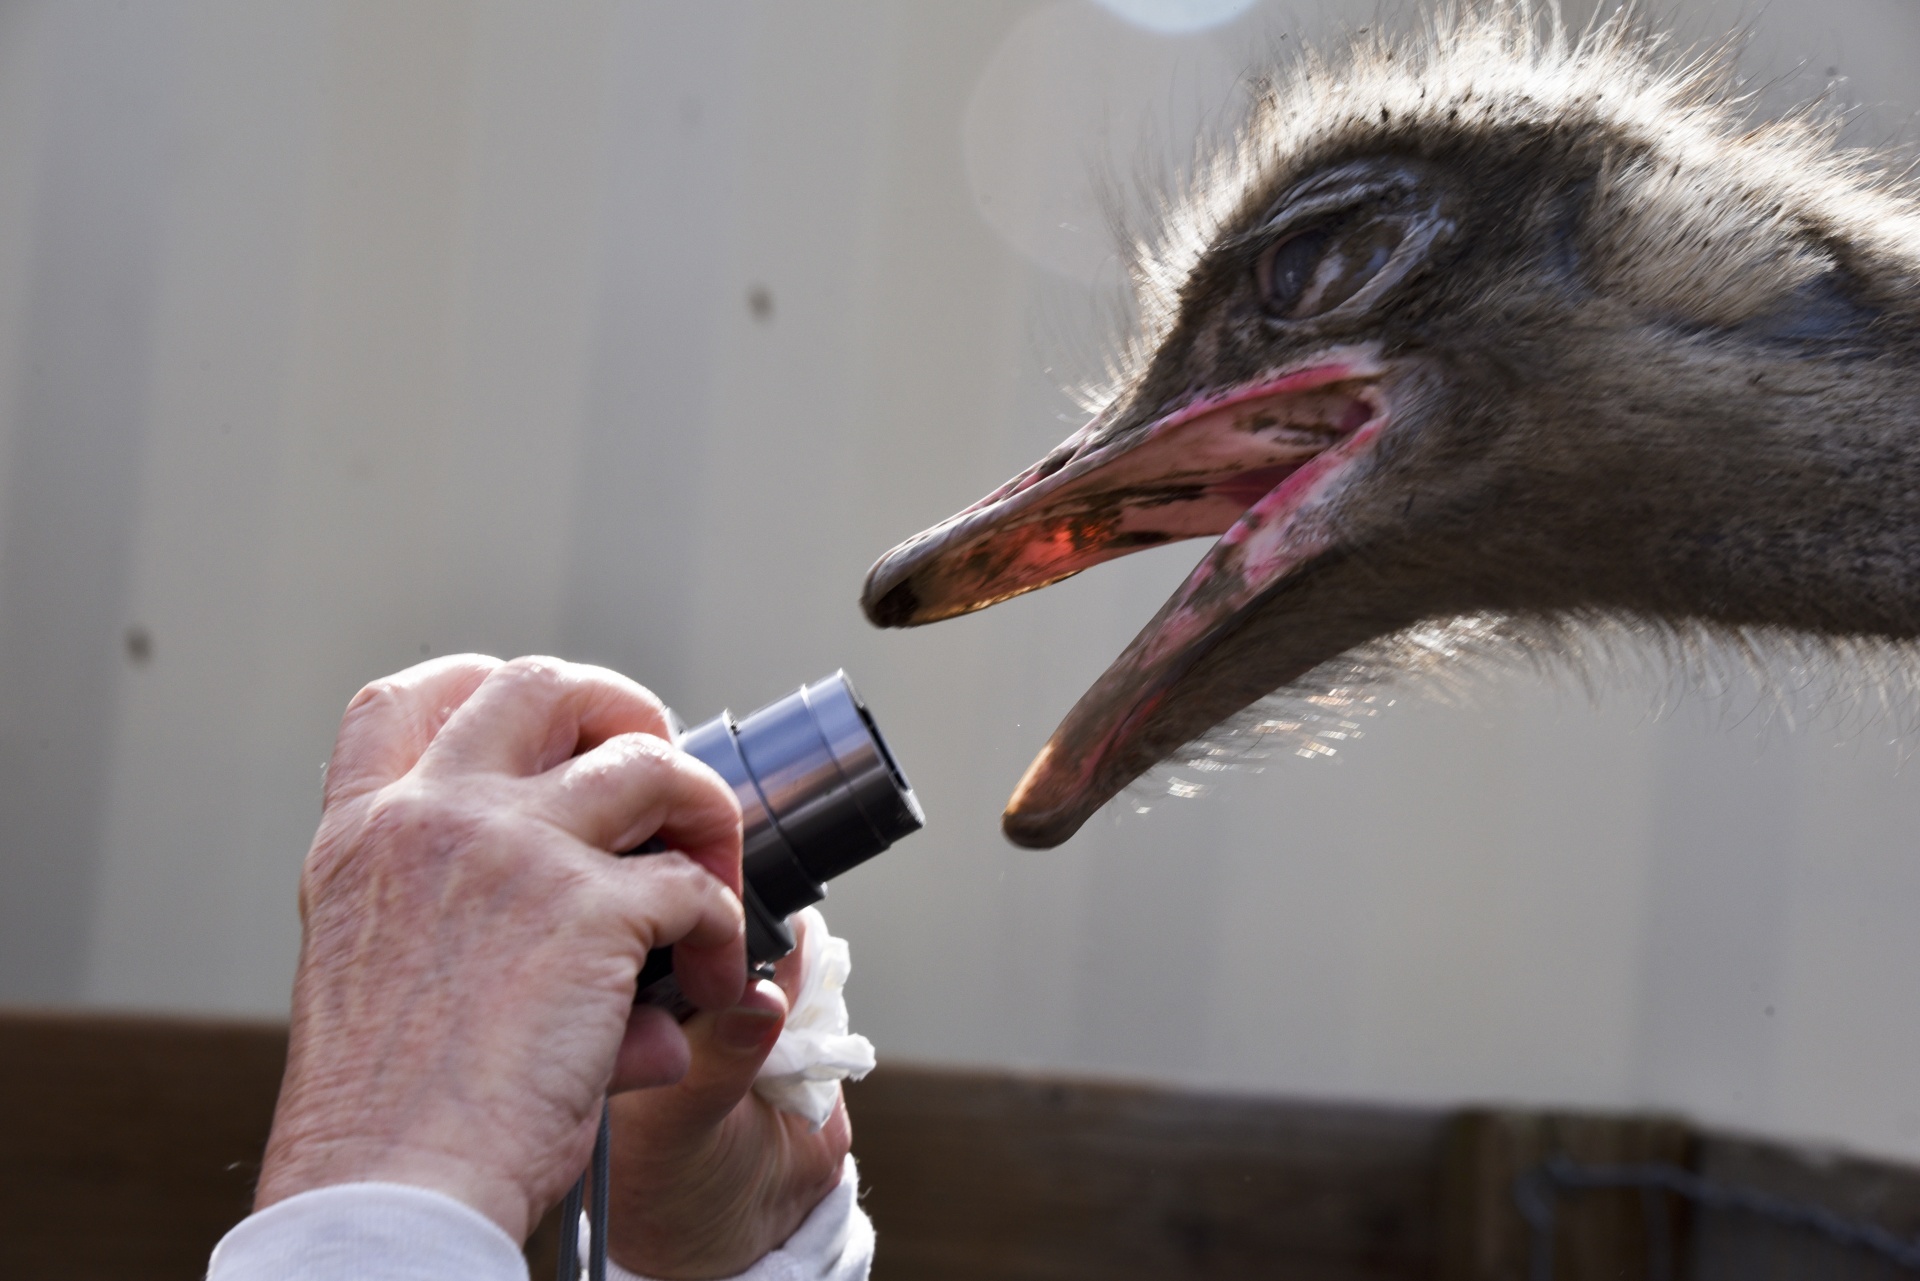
x: 1248, y: 465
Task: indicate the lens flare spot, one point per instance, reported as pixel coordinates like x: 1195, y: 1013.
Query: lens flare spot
x: 1173, y: 17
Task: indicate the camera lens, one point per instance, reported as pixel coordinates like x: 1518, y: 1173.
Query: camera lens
x: 827, y: 778
x: 819, y: 793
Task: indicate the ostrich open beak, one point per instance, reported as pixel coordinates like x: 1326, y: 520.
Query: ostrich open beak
x: 1253, y: 464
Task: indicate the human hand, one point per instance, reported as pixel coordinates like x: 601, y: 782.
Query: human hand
x: 465, y: 992
x: 708, y: 1176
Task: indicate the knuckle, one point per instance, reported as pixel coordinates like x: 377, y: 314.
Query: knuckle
x: 646, y: 752
x: 373, y: 696
x: 634, y: 766
x: 535, y: 672
x: 671, y: 873
x: 652, y: 762
x: 605, y: 684
x: 670, y: 869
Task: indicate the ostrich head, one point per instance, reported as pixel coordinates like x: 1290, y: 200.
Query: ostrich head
x: 1495, y: 322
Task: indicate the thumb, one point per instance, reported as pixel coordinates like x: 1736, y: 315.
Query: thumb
x: 728, y: 1047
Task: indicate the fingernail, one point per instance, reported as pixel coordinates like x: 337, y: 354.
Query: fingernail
x: 745, y: 1028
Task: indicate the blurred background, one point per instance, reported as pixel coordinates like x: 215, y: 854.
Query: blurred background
x: 336, y: 335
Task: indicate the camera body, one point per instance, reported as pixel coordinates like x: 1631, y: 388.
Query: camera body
x: 819, y: 793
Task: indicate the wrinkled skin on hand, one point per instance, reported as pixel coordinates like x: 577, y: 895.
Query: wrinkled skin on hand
x: 465, y: 991
x: 707, y: 1176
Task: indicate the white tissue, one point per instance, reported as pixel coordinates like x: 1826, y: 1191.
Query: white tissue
x: 815, y: 1051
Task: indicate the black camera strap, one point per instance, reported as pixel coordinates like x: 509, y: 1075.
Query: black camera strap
x: 596, y: 1176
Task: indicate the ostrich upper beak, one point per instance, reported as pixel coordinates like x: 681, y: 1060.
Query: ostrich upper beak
x: 1250, y: 463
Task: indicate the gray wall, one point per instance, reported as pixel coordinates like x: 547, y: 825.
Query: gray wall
x: 332, y: 335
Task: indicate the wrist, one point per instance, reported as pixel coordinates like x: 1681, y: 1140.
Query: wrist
x: 303, y: 1162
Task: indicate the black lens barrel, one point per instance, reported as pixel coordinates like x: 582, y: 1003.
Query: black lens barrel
x: 819, y: 793
x: 826, y: 779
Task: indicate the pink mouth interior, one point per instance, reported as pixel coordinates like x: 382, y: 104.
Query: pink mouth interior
x: 1264, y: 543
x: 1196, y: 474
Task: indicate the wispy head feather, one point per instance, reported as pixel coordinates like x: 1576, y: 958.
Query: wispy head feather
x: 1507, y: 63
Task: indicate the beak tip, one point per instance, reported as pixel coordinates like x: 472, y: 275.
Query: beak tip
x: 888, y: 598
x: 1029, y: 820
x: 1033, y: 831
x: 894, y: 607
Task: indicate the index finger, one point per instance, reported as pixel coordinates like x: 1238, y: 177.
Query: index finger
x: 391, y: 721
x: 533, y: 713
x: 637, y: 786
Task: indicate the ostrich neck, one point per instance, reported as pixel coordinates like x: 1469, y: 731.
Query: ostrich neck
x: 1800, y: 509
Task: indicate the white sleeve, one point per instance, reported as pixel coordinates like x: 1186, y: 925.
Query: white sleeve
x: 396, y: 1232
x: 834, y: 1244
x: 367, y: 1232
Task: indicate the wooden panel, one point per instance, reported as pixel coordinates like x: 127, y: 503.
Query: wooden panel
x: 128, y: 1146
x: 1002, y: 1178
x: 1729, y: 1246
x: 1599, y: 1235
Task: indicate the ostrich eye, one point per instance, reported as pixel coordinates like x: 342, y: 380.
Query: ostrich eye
x: 1313, y: 271
x: 1287, y: 269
